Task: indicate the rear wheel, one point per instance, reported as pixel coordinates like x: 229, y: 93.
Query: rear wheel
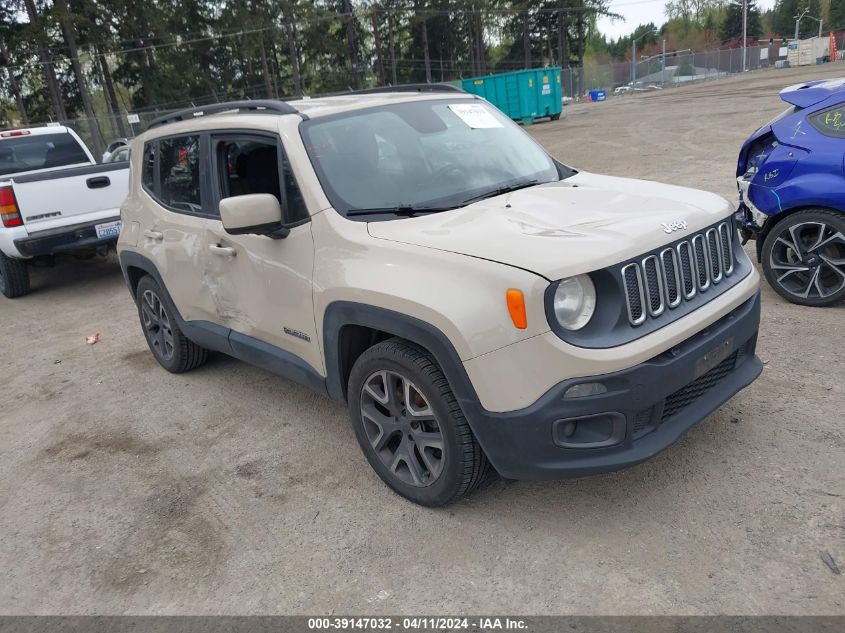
x: 14, y: 277
x: 171, y: 348
x: 410, y: 426
x: 804, y: 257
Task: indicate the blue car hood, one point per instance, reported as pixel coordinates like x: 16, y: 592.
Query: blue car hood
x: 813, y: 92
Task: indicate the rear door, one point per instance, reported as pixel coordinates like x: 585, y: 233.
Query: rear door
x: 174, y: 219
x: 262, y: 286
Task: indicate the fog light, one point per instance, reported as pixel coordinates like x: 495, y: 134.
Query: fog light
x: 585, y: 389
x: 597, y: 430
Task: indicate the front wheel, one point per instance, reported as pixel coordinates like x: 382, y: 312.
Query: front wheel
x: 410, y: 426
x: 804, y: 257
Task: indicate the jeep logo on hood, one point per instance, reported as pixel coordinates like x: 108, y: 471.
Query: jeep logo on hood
x: 671, y: 227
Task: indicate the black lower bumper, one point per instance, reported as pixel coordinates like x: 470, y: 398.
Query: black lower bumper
x: 644, y: 410
x: 64, y: 240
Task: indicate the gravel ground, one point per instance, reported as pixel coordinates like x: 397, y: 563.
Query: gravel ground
x: 124, y: 489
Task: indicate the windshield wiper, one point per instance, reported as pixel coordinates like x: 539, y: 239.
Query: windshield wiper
x: 498, y: 191
x: 407, y: 210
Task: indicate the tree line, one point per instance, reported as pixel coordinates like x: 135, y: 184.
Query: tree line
x: 65, y: 59
x: 99, y: 59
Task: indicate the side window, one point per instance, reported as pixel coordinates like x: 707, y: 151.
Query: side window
x: 179, y: 173
x: 148, y: 169
x: 252, y: 166
x: 296, y: 210
x: 830, y: 122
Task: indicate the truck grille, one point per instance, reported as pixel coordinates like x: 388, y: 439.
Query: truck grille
x: 665, y: 279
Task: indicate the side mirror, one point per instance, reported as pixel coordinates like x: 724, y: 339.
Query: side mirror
x: 253, y: 214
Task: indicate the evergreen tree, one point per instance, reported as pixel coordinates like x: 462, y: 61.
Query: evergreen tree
x: 783, y: 22
x: 837, y: 15
x: 732, y: 26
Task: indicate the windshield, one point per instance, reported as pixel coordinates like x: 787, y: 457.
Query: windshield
x: 41, y: 151
x: 433, y: 154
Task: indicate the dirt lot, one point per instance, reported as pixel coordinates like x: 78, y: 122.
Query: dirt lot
x: 124, y: 489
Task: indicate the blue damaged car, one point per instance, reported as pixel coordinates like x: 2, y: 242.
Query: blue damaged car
x: 791, y: 177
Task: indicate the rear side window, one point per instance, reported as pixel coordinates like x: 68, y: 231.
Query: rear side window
x: 42, y: 151
x: 148, y: 169
x: 179, y: 173
x: 830, y: 122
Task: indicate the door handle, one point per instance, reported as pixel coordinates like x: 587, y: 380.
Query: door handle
x: 98, y: 183
x: 223, y: 251
x: 154, y: 235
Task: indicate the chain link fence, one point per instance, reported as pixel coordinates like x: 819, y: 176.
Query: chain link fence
x: 655, y: 72
x: 673, y: 70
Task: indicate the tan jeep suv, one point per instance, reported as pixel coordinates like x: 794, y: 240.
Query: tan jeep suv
x: 415, y: 255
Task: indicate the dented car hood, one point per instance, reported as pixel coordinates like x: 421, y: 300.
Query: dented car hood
x: 559, y: 229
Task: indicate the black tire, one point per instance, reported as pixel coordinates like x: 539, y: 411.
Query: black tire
x: 555, y: 117
x: 809, y: 275
x: 462, y: 465
x: 14, y: 277
x: 171, y: 348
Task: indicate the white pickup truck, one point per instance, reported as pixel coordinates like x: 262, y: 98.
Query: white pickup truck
x: 54, y: 198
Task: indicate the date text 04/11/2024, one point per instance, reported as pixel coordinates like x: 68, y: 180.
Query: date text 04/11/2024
x: 425, y: 623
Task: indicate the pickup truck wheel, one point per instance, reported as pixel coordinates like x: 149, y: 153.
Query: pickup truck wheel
x: 804, y: 257
x: 410, y: 426
x: 14, y: 277
x: 171, y: 348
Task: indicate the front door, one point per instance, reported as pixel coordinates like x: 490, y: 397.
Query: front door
x: 262, y: 286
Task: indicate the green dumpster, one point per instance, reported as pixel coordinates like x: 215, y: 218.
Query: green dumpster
x: 524, y: 95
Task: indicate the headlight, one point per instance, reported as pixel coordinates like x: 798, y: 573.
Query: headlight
x: 574, y: 302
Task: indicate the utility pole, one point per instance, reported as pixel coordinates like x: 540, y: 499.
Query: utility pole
x: 634, y: 64
x: 663, y: 64
x: 425, y: 51
x: 820, y: 21
x: 798, y: 19
x: 634, y: 56
x: 379, y: 52
x: 744, y: 34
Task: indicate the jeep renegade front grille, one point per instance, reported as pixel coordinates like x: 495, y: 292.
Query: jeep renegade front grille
x: 665, y: 279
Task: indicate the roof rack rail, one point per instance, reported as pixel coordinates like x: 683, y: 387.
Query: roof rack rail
x: 436, y: 87
x: 269, y: 105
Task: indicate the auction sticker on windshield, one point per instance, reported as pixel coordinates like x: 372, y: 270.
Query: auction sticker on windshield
x: 475, y: 115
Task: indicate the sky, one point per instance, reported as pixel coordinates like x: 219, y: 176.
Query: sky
x: 638, y: 12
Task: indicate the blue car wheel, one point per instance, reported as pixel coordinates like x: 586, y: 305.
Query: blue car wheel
x: 804, y: 257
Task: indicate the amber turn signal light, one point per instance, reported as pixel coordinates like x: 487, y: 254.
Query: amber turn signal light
x: 516, y: 308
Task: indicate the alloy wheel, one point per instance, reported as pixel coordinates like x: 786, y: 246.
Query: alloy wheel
x: 157, y: 324
x: 808, y: 260
x: 402, y: 428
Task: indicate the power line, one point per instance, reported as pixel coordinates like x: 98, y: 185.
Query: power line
x: 308, y: 20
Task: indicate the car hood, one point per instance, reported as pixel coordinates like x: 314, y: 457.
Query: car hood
x: 577, y: 225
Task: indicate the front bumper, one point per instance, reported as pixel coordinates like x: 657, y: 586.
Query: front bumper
x: 646, y: 408
x: 64, y: 239
x: 749, y: 219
